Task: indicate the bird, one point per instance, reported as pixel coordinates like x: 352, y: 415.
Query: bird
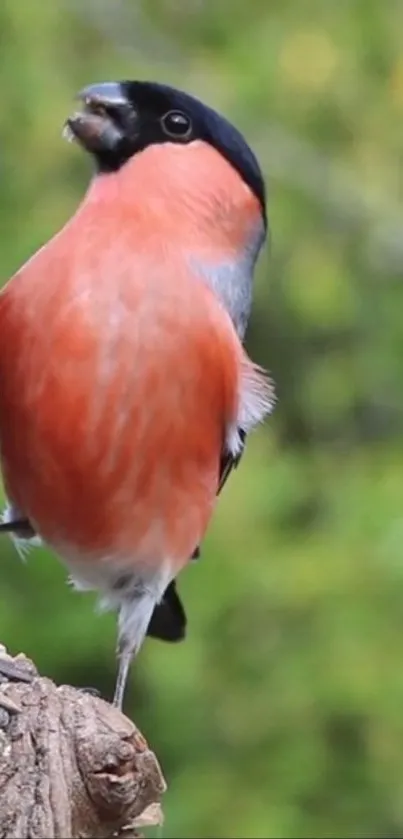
x: 126, y: 391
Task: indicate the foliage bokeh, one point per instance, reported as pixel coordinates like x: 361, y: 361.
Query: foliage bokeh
x: 281, y: 715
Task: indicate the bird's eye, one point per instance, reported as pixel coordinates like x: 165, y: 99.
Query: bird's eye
x: 176, y: 124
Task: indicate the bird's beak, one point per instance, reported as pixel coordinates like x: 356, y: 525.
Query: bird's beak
x: 104, y: 120
x: 104, y: 94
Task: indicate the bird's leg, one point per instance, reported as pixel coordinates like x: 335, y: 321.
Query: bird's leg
x: 134, y: 616
x: 125, y: 660
x: 90, y: 692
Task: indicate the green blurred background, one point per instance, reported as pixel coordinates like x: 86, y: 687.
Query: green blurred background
x: 282, y: 714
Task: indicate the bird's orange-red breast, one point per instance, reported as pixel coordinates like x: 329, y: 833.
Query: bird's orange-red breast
x: 123, y: 372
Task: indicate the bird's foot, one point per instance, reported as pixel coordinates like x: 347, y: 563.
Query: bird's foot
x: 91, y: 692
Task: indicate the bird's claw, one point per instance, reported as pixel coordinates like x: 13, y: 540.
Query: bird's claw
x: 91, y: 692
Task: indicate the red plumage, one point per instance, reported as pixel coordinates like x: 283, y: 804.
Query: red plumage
x: 116, y: 391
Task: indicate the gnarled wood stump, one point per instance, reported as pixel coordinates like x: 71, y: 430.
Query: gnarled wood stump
x: 71, y: 765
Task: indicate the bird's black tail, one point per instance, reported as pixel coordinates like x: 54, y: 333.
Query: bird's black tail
x: 168, y: 622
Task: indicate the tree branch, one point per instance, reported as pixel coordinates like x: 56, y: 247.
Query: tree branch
x: 71, y: 765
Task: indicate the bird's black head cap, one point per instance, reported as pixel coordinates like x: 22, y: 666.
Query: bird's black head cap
x: 122, y: 118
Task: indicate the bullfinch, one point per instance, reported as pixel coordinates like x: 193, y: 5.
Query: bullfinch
x: 126, y: 394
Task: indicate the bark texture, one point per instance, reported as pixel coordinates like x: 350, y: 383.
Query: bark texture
x: 71, y: 765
